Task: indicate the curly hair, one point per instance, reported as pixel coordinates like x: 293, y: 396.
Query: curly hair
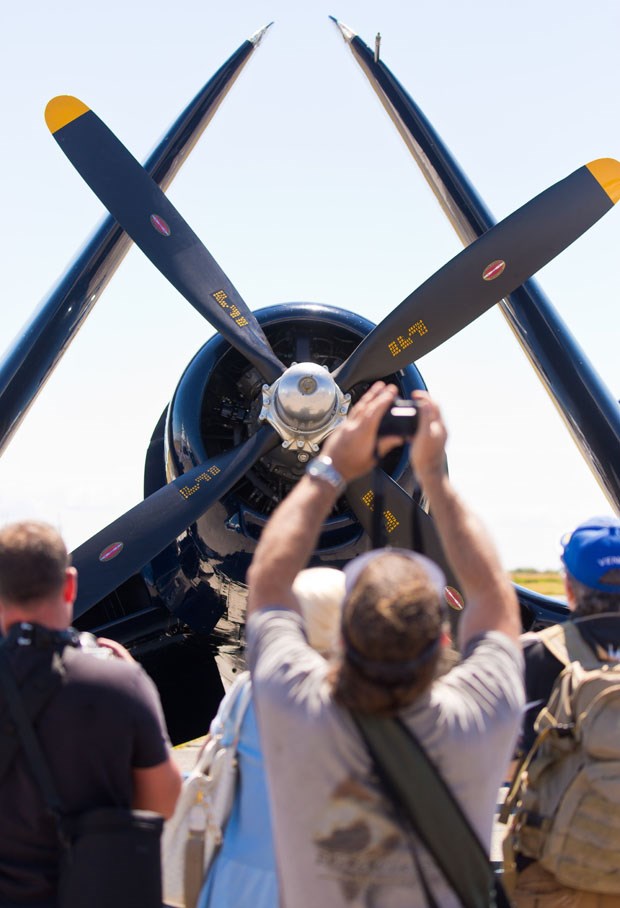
x: 589, y: 601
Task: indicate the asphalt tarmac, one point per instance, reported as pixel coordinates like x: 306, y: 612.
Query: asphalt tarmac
x: 186, y: 754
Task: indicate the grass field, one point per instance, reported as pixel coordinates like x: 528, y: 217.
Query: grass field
x: 549, y: 583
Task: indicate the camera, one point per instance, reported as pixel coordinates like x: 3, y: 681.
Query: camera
x: 88, y: 644
x: 401, y: 419
x: 40, y: 637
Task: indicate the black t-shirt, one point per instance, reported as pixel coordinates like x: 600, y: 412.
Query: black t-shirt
x: 103, y: 719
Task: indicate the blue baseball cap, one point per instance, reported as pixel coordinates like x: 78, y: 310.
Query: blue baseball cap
x: 592, y: 550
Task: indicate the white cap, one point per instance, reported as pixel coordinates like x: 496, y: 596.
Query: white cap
x: 320, y: 592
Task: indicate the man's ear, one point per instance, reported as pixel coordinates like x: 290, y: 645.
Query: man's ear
x: 70, y: 589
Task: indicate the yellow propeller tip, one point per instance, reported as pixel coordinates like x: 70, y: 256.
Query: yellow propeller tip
x: 606, y: 171
x: 63, y: 110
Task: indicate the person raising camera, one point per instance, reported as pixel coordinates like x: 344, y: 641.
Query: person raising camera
x: 338, y: 840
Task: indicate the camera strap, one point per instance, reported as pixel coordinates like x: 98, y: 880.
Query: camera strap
x: 378, y: 506
x: 29, y: 741
x: 417, y: 537
x: 379, y: 529
x: 37, y: 690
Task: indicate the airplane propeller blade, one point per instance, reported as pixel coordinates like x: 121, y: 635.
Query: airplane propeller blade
x: 44, y: 340
x: 399, y: 524
x: 154, y: 224
x: 588, y: 408
x: 123, y: 548
x: 487, y: 270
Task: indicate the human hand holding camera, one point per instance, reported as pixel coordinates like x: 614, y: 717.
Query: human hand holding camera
x: 352, y: 447
x: 114, y: 648
x: 428, y: 448
x: 380, y: 422
x: 419, y: 422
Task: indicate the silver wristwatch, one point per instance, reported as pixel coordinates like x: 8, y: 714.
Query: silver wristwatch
x: 322, y: 468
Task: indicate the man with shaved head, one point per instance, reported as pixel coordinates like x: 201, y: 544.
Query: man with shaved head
x: 339, y: 840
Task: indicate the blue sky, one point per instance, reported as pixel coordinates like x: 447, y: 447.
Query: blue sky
x: 303, y: 190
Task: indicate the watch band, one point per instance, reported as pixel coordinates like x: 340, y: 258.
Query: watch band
x: 322, y: 468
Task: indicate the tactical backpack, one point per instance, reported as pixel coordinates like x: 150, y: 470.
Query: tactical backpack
x: 563, y: 808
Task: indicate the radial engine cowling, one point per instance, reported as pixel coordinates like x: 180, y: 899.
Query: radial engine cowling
x: 221, y: 400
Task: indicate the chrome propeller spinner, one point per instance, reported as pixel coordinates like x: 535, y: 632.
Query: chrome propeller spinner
x: 304, y: 405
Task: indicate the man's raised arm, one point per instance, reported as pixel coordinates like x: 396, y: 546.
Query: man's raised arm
x: 291, y: 534
x: 491, y: 602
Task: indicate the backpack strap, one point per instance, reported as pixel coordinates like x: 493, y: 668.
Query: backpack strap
x: 519, y: 777
x: 28, y: 739
x: 226, y: 725
x: 36, y: 692
x: 232, y: 717
x: 567, y: 645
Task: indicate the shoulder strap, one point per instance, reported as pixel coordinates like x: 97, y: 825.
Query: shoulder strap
x: 414, y: 783
x: 554, y: 640
x: 29, y: 740
x: 227, y: 723
x: 39, y: 690
x: 567, y: 645
x: 237, y: 709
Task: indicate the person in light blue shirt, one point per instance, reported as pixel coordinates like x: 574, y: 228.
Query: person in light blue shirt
x: 244, y: 871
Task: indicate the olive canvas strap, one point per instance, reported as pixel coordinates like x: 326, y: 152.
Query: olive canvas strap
x: 415, y: 785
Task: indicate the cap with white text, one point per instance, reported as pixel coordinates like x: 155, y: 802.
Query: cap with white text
x: 592, y: 552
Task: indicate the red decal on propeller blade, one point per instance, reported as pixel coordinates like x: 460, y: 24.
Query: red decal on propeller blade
x: 160, y: 225
x: 453, y: 598
x: 493, y: 270
x: 111, y: 551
